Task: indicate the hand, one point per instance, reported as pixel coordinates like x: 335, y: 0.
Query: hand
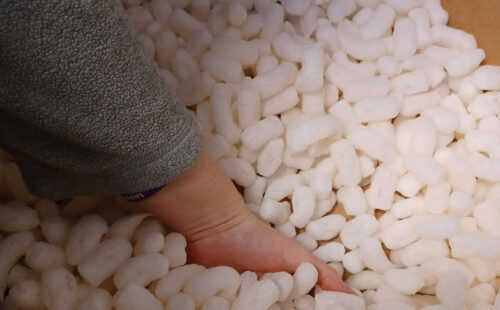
x: 206, y: 208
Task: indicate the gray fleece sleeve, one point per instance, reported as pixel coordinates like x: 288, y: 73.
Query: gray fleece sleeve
x: 82, y: 109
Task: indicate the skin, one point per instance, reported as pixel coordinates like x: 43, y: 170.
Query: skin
x: 206, y: 208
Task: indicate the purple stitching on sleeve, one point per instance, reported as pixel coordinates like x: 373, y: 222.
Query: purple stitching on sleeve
x: 141, y: 195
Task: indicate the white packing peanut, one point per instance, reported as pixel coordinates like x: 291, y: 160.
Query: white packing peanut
x: 149, y: 243
x: 274, y: 212
x: 487, y: 216
x: 407, y: 207
x: 405, y: 39
x: 357, y: 48
x: 337, y: 300
x: 255, y: 192
x: 323, y: 206
x: 305, y: 302
x: 259, y: 296
x: 175, y: 280
x: 430, y: 226
x: 372, y: 144
x: 355, y: 230
x: 327, y: 34
x: 98, y: 299
x: 422, y: 249
x: 360, y: 89
x: 301, y: 134
x: 218, y: 146
x: 415, y: 104
x: 133, y: 297
x: 237, y: 14
x: 220, y: 68
x: 196, y: 88
x: 313, y: 103
x: 446, y: 120
x: 297, y: 7
x: 330, y: 252
x: 303, y: 200
x: 376, y: 109
x: 43, y: 256
x: 180, y: 301
x: 305, y: 240
x: 222, y: 114
x: 399, y: 234
x: 123, y: 227
x: 244, y: 52
x: 273, y: 21
x: 12, y: 248
x: 305, y: 278
x: 266, y: 63
x: 287, y: 48
x: 284, y: 282
x: 46, y: 208
x: 347, y: 162
x: 373, y: 256
x: 421, y: 20
x: 484, y: 105
x: 283, y: 186
x: 338, y: 9
x: 404, y: 281
x: 365, y: 280
x: 175, y: 249
x: 248, y: 103
x: 104, y: 260
x: 141, y: 270
x: 310, y: 77
x: 183, y: 23
x: 388, y: 66
x: 437, y: 13
x: 215, y: 280
x: 410, y: 83
x: 56, y: 230
x: 58, y: 289
x: 425, y: 168
x: 465, y: 62
x: 270, y: 158
x: 460, y: 203
x: 379, y: 23
x: 416, y: 136
x: 15, y: 218
x: 215, y: 303
x: 183, y: 64
x: 353, y: 199
x: 281, y: 102
x: 380, y: 195
x: 353, y: 262
x: 258, y: 134
x: 84, y: 237
x: 276, y: 80
x: 238, y: 169
x: 450, y: 290
x: 450, y: 37
x: 327, y: 227
x: 475, y: 244
x: 362, y: 16
x: 199, y: 42
x: 409, y: 185
x: 486, y: 77
x: 26, y: 294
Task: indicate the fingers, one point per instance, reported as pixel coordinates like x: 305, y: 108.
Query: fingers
x: 329, y: 280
